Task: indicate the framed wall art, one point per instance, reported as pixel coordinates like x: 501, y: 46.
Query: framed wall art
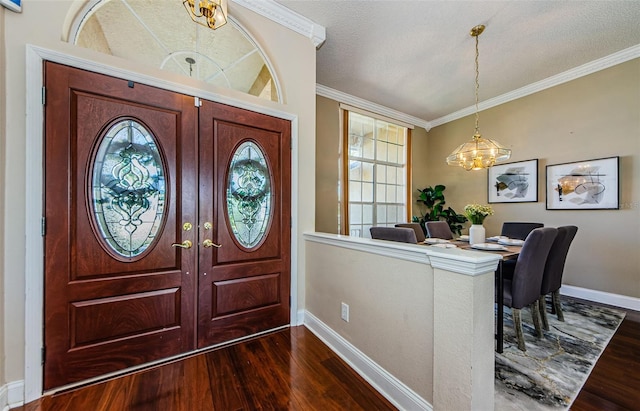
x: 584, y: 185
x: 15, y: 5
x: 514, y: 182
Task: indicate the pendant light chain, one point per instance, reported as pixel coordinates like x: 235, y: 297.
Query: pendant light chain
x: 477, y: 85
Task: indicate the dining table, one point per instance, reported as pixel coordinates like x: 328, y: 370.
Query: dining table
x: 507, y: 252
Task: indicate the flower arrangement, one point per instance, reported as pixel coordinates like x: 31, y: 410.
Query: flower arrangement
x: 476, y: 213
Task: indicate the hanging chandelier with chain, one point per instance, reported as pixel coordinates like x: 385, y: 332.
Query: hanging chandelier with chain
x: 479, y: 153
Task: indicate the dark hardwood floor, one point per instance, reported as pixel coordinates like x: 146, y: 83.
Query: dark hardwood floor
x: 614, y: 383
x: 286, y: 370
x: 293, y: 370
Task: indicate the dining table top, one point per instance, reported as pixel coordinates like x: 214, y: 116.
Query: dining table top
x: 507, y: 251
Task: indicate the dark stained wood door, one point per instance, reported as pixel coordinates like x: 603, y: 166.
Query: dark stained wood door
x: 245, y: 192
x: 114, y: 302
x: 137, y: 201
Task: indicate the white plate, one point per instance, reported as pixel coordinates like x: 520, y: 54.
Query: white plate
x: 488, y: 246
x: 497, y: 238
x: 510, y: 241
x: 445, y: 245
x: 435, y: 241
x: 463, y: 238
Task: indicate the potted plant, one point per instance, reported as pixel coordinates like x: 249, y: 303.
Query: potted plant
x: 432, y: 209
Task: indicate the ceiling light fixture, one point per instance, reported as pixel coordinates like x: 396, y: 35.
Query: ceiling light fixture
x: 480, y: 152
x: 209, y: 13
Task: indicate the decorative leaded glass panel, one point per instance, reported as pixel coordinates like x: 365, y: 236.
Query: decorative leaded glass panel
x: 128, y: 188
x: 249, y: 194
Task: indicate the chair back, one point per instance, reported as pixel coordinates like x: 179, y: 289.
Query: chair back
x: 399, y: 234
x: 518, y: 230
x: 529, y: 269
x: 438, y: 229
x: 415, y: 227
x: 554, y: 268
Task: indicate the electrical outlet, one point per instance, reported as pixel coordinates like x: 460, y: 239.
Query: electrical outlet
x: 344, y: 312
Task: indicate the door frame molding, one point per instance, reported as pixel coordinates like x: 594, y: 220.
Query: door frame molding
x: 34, y: 253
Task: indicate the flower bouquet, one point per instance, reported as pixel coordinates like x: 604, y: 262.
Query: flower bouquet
x: 476, y: 213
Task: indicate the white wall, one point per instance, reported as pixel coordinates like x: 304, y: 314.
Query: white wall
x: 44, y: 24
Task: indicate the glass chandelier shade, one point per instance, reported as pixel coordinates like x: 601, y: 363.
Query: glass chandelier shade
x: 479, y: 153
x: 208, y: 13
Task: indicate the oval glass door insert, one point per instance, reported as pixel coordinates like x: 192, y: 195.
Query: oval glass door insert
x: 249, y: 194
x: 128, y: 189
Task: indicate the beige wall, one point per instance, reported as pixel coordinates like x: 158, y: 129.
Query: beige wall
x: 592, y: 117
x: 297, y: 78
x: 390, y: 308
x: 3, y: 103
x: 327, y: 164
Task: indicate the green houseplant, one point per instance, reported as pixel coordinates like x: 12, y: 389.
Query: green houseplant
x: 432, y: 209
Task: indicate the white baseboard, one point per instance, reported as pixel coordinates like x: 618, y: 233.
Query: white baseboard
x: 386, y: 384
x: 602, y: 297
x: 12, y: 395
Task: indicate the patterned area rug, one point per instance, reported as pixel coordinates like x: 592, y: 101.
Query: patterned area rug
x: 549, y: 375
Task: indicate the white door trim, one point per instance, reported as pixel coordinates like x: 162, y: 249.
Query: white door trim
x: 34, y: 254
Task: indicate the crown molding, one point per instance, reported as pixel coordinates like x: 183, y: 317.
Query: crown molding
x: 287, y: 18
x: 569, y: 75
x: 358, y: 102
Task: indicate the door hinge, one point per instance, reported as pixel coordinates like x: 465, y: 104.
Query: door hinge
x: 197, y: 102
x: 44, y: 96
x: 43, y: 353
x: 43, y: 226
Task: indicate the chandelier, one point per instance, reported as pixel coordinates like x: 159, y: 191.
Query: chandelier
x: 209, y: 13
x: 480, y: 152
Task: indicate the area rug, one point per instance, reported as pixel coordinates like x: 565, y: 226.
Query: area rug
x: 549, y: 375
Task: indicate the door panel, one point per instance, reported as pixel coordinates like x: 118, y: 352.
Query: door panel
x: 243, y: 289
x: 105, y: 312
x: 126, y: 166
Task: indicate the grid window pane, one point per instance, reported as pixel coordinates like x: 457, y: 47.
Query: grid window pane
x: 381, y: 152
x: 367, y: 214
x: 381, y: 173
x: 376, y: 176
x: 355, y: 170
x: 381, y: 193
x: 367, y: 192
x: 355, y: 213
x: 367, y: 172
x: 355, y: 191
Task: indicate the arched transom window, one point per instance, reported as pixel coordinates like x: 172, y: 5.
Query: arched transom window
x: 161, y: 33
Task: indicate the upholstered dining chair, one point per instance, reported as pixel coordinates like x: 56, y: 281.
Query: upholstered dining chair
x: 553, y: 270
x: 415, y: 227
x: 518, y: 230
x: 526, y: 280
x: 438, y: 229
x: 399, y: 234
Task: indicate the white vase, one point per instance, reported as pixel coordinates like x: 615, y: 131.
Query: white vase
x: 476, y: 234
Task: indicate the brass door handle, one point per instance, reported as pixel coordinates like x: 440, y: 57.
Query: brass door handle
x: 184, y: 244
x: 208, y: 243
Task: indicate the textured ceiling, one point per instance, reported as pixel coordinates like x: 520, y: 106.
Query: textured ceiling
x: 417, y: 57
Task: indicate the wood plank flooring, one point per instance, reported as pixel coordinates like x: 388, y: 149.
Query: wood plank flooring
x: 293, y: 370
x: 287, y: 370
x: 614, y: 383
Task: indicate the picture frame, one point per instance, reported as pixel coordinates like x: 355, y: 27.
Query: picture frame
x: 513, y: 182
x: 584, y: 185
x: 13, y: 5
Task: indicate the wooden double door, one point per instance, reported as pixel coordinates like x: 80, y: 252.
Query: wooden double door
x: 166, y: 227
